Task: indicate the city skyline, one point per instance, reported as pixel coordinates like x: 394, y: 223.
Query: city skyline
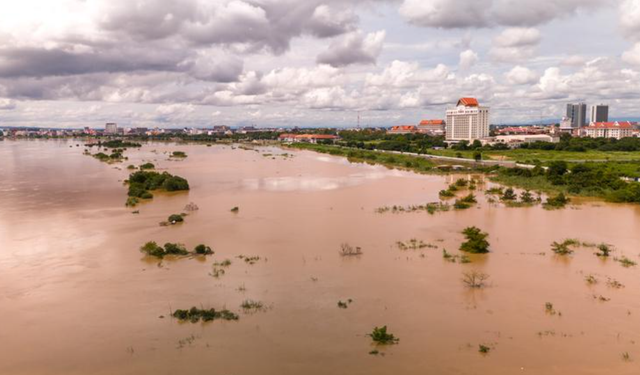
x: 193, y: 63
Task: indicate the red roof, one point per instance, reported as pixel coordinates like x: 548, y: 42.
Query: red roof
x: 431, y: 122
x: 611, y: 125
x: 404, y: 127
x: 468, y: 102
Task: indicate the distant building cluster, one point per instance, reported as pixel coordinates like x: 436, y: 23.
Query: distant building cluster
x: 469, y: 121
x: 599, y: 125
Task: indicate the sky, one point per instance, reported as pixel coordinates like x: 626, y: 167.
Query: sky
x: 285, y: 63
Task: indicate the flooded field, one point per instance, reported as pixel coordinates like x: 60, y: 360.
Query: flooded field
x: 78, y: 297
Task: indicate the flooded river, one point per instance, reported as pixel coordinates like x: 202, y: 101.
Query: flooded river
x: 77, y: 296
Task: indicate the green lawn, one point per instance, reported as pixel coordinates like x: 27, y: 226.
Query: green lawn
x: 530, y: 156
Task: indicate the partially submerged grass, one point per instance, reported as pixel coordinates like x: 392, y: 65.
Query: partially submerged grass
x: 252, y: 305
x: 430, y: 208
x: 195, y: 314
x: 465, y: 202
x: 591, y: 280
x: 414, y: 244
x: 381, y: 336
x: 625, y: 262
x: 453, y: 258
x: 565, y: 247
x: 348, y: 250
x: 249, y: 259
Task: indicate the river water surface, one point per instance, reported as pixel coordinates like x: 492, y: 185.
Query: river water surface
x: 77, y: 296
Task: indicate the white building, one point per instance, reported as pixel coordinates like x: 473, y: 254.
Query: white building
x: 518, y: 139
x: 468, y: 121
x: 111, y: 128
x: 615, y: 130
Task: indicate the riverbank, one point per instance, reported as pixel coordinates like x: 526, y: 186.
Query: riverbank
x: 594, y: 180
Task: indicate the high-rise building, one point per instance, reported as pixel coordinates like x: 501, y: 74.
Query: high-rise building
x: 468, y: 121
x: 111, y: 128
x: 600, y: 113
x: 578, y: 114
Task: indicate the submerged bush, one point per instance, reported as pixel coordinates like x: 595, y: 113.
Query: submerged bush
x: 203, y: 250
x: 179, y: 154
x: 465, y: 202
x: 175, y: 218
x: 381, y: 336
x: 152, y: 249
x: 147, y: 166
x: 476, y: 242
x: 175, y: 249
x: 559, y: 201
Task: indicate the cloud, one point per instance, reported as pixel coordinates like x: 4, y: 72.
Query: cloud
x: 632, y: 56
x: 515, y: 44
x: 468, y: 58
x: 520, y: 75
x: 249, y: 24
x: 630, y: 18
x: 7, y: 104
x: 403, y: 74
x: 448, y: 14
x: 353, y: 48
x: 518, y: 37
x: 213, y: 66
x: 40, y: 62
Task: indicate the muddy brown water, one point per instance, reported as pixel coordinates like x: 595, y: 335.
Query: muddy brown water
x: 77, y: 297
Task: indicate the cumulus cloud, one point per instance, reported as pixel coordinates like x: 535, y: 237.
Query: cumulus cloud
x: 6, y: 104
x: 630, y: 18
x: 518, y: 37
x: 515, y: 44
x: 353, y: 48
x: 520, y: 75
x: 215, y: 67
x: 446, y: 14
x: 632, y: 56
x: 403, y: 74
x: 39, y: 62
x: 489, y: 13
x: 468, y: 58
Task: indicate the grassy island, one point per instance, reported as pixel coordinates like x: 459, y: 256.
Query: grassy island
x: 115, y: 143
x: 142, y: 183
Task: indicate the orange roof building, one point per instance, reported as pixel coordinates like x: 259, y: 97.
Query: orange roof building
x: 435, y: 127
x: 403, y: 129
x: 468, y: 102
x: 617, y: 130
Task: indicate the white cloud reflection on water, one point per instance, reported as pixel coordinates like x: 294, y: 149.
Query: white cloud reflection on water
x: 315, y: 183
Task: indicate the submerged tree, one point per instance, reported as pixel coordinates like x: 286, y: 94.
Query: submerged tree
x: 476, y: 242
